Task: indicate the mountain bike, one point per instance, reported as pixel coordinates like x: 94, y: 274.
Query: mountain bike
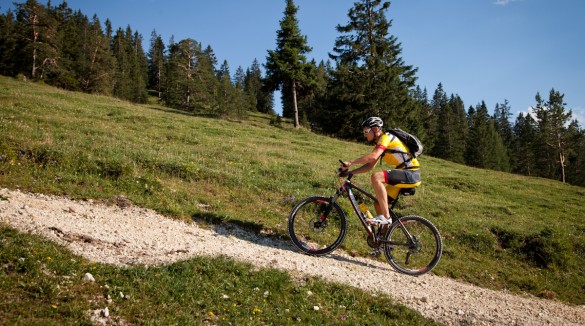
x: 412, y: 244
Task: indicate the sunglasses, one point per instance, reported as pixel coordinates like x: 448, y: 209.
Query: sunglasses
x: 367, y: 131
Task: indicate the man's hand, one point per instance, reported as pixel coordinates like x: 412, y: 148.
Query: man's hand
x: 344, y: 173
x: 344, y: 165
x: 343, y: 170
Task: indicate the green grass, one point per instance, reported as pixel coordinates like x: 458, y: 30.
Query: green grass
x: 41, y: 283
x: 501, y: 231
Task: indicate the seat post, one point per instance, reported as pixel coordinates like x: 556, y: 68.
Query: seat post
x: 393, y: 203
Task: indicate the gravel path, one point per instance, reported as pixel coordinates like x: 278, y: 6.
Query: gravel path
x: 129, y: 235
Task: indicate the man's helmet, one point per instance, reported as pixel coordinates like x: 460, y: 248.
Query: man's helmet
x: 373, y: 122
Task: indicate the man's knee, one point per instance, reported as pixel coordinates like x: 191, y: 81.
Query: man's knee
x: 378, y: 177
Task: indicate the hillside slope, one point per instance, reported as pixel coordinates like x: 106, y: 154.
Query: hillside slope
x: 501, y: 231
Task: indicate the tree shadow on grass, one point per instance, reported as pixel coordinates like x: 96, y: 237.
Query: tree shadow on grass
x: 183, y: 112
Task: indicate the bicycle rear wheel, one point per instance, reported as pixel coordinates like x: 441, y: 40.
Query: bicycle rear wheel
x: 414, y: 246
x: 316, y: 226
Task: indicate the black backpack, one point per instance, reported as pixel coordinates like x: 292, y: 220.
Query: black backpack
x: 414, y: 145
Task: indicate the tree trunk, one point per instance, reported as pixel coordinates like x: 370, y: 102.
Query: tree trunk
x: 294, y: 94
x: 35, y: 38
x: 561, y: 156
x: 562, y: 159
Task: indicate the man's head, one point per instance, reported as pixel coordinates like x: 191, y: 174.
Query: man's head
x: 372, y: 128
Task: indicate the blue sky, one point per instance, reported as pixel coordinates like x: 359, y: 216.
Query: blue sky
x: 489, y: 50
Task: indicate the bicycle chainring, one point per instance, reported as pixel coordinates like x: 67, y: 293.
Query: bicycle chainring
x: 373, y: 243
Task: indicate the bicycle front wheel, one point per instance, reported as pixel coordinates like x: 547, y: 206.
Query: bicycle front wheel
x: 316, y: 226
x: 413, y: 245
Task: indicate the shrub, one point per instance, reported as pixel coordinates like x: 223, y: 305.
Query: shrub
x: 542, y: 249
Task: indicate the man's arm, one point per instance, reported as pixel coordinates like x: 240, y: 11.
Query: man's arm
x: 369, y: 161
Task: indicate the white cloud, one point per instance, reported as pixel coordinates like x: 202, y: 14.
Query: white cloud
x: 504, y: 2
x: 579, y: 115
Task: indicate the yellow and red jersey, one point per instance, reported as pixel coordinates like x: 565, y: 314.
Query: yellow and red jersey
x: 389, y: 142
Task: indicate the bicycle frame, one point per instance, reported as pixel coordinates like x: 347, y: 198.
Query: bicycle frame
x: 348, y: 187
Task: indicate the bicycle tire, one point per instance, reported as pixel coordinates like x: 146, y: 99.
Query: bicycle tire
x: 413, y: 258
x: 312, y: 235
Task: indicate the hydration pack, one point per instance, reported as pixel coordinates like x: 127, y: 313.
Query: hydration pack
x: 414, y: 145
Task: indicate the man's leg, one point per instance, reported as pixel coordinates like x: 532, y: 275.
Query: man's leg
x: 379, y: 185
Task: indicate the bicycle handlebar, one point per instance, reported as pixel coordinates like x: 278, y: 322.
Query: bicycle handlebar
x: 349, y: 174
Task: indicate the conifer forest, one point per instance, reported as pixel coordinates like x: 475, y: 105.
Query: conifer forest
x: 364, y: 76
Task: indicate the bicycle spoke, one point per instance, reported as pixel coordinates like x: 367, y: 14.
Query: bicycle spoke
x: 414, y: 247
x: 316, y: 226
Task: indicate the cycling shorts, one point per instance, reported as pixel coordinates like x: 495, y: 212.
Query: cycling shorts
x: 398, y: 177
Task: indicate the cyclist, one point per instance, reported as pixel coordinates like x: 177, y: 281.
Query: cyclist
x: 390, y: 149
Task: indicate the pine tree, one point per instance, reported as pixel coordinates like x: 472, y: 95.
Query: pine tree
x: 121, y: 48
x: 242, y: 100
x: 286, y: 66
x: 71, y: 28
x: 485, y: 148
x: 553, y: 134
x: 156, y: 62
x: 502, y: 114
x: 523, y: 159
x: 240, y: 79
x: 426, y: 119
x: 183, y: 90
x: 451, y: 127
x: 96, y: 63
x: 441, y: 111
x: 311, y: 98
x: 226, y: 94
x: 191, y: 83
x: 139, y: 70
x: 262, y: 100
x: 458, y: 130
x: 171, y: 94
x: 576, y: 158
x: 32, y: 44
x: 371, y: 78
x: 497, y: 158
x: 8, y: 42
x: 208, y: 85
x: 477, y: 149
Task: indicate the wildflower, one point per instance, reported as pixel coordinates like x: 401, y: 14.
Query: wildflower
x: 49, y: 258
x: 211, y: 314
x: 256, y: 311
x: 54, y: 306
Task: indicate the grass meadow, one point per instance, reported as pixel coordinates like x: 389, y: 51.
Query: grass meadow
x: 501, y: 231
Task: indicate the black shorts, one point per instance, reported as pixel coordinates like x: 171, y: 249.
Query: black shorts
x: 394, y: 177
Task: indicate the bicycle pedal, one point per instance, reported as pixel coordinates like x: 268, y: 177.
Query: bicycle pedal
x: 375, y: 252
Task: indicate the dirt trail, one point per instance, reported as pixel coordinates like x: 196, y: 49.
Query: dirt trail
x: 132, y: 235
